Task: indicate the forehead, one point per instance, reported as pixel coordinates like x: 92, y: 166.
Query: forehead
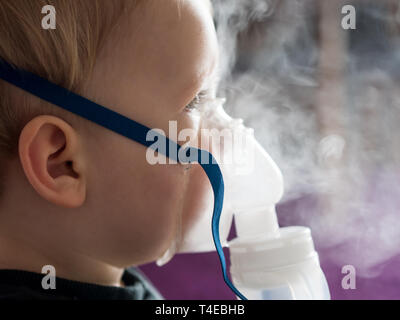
x: 165, y: 50
x: 179, y: 38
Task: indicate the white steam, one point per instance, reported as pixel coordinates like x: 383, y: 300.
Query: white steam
x: 336, y: 141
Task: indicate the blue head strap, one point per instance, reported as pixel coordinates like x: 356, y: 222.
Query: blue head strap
x: 126, y: 127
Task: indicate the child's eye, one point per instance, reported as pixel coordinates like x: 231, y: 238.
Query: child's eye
x: 199, y: 100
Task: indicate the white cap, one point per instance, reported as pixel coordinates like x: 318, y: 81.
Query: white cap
x: 293, y: 245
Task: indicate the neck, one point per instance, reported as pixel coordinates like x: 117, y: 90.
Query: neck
x: 20, y: 255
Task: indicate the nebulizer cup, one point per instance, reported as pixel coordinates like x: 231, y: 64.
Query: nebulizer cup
x: 267, y: 262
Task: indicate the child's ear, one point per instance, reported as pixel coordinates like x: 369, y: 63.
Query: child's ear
x: 52, y: 159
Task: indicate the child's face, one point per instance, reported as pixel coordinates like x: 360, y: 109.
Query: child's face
x: 151, y: 69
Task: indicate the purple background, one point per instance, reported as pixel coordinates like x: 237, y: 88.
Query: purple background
x: 198, y: 276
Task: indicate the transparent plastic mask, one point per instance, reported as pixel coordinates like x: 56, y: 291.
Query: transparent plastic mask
x: 252, y: 180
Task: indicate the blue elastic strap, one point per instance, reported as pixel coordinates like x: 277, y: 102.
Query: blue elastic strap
x: 126, y: 127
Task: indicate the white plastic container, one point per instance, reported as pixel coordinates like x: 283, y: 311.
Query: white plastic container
x: 283, y: 266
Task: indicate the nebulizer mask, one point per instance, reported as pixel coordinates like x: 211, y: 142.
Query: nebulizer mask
x: 267, y: 262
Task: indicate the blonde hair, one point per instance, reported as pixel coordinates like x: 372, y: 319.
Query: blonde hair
x: 64, y: 56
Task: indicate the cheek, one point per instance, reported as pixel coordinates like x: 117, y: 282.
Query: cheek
x: 140, y: 205
x: 151, y: 211
x: 199, y: 198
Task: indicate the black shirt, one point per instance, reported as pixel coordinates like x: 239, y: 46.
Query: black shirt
x: 24, y: 285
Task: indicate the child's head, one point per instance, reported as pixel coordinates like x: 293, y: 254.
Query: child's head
x: 69, y: 188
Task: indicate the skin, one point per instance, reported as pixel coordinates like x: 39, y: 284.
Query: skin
x: 84, y: 199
